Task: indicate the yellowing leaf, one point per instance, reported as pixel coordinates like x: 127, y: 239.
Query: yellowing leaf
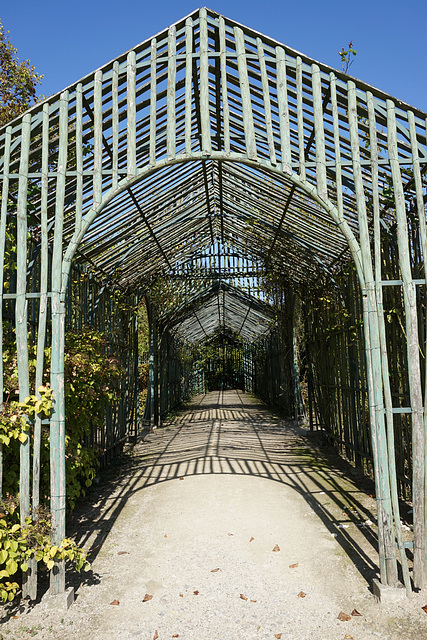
x: 13, y: 546
x: 11, y: 566
x: 22, y: 437
x: 53, y: 551
x: 50, y: 564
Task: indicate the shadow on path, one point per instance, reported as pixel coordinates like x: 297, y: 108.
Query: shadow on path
x: 231, y: 433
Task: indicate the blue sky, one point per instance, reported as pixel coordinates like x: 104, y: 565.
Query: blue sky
x: 65, y: 41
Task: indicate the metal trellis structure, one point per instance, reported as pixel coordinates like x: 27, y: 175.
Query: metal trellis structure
x: 213, y: 154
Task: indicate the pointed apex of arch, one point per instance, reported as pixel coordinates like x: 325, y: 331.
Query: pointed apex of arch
x: 209, y: 121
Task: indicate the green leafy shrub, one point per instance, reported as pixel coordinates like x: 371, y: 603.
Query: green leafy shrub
x: 19, y: 544
x: 91, y: 376
x: 91, y: 383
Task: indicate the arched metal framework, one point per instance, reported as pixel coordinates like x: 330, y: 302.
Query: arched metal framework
x: 211, y: 134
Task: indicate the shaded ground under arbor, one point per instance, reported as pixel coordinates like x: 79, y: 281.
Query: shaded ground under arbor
x: 192, y: 519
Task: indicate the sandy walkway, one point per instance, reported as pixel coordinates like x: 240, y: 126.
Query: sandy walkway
x: 237, y: 530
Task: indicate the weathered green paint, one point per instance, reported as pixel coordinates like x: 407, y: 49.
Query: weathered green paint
x: 170, y: 99
x: 423, y: 233
x: 3, y: 211
x: 267, y: 102
x: 57, y: 423
x: 282, y: 103
x: 385, y: 519
x: 248, y: 124
x: 411, y: 322
x: 21, y: 324
x: 193, y: 164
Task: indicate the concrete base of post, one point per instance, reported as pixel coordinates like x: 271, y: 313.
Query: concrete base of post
x: 60, y: 601
x: 384, y: 594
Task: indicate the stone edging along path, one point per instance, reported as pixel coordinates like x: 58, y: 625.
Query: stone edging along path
x: 227, y: 523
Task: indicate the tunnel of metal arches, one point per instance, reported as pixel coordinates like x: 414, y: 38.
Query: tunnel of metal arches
x: 263, y: 215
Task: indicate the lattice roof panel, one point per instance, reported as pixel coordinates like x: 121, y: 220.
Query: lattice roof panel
x: 209, y: 134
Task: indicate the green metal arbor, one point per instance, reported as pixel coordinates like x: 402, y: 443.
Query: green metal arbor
x: 211, y: 147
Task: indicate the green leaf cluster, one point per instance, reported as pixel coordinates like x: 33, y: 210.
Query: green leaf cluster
x: 14, y: 416
x: 19, y: 544
x: 18, y: 81
x: 92, y: 380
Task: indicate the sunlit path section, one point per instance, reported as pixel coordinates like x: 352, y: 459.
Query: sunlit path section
x: 231, y: 522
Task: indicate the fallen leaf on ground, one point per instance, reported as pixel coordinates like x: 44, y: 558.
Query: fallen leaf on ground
x: 276, y: 548
x: 348, y: 637
x: 301, y: 594
x: 175, y: 635
x: 293, y: 566
x: 355, y: 613
x: 253, y: 600
x: 344, y: 617
x: 423, y: 608
x: 115, y: 602
x: 215, y: 570
x: 123, y: 553
x: 156, y: 635
x: 278, y: 636
x: 165, y: 536
x: 181, y: 595
x: 196, y: 593
x: 147, y: 597
x: 252, y: 538
x: 231, y: 534
x: 243, y: 596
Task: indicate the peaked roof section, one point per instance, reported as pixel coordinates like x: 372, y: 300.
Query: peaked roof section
x: 220, y: 307
x: 209, y: 133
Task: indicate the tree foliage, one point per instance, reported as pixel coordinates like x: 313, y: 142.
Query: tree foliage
x: 18, y: 81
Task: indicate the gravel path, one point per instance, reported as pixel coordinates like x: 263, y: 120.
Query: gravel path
x: 228, y: 524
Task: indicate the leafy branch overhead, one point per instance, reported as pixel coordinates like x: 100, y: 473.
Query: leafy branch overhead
x: 18, y: 81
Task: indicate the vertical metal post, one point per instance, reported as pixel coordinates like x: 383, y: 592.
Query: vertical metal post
x: 57, y: 424
x: 21, y: 315
x: 3, y: 218
x: 386, y: 535
x: 412, y: 342
x: 150, y: 392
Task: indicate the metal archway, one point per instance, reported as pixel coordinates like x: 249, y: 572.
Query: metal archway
x: 206, y: 93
